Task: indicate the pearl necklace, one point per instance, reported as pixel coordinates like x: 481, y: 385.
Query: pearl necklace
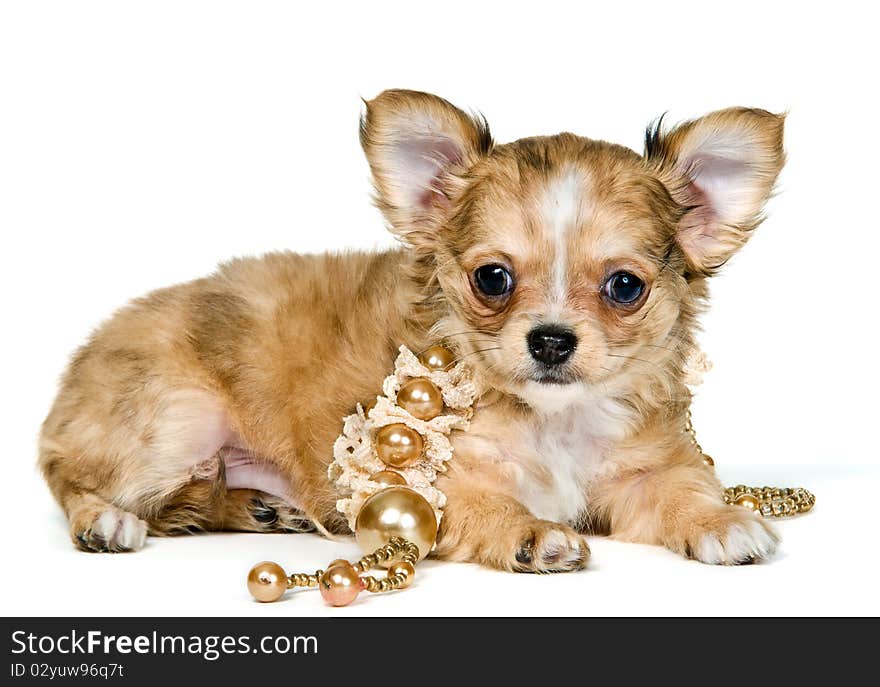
x: 384, y: 466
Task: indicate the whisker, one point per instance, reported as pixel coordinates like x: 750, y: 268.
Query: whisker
x: 468, y: 331
x: 632, y: 357
x: 479, y: 350
x: 662, y: 348
x: 668, y: 349
x: 674, y: 342
x: 477, y: 341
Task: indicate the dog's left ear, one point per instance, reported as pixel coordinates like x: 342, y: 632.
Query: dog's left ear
x: 418, y: 146
x: 722, y: 168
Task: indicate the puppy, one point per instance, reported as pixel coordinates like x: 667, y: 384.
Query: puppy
x: 567, y: 272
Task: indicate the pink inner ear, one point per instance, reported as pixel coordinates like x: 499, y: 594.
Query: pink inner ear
x: 720, y: 197
x: 723, y: 184
x: 696, y: 234
x: 419, y: 162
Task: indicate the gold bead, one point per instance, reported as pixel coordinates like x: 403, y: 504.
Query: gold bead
x: 267, y: 581
x: 404, y: 569
x: 421, y: 398
x: 396, y: 512
x: 747, y: 501
x: 437, y: 358
x: 340, y: 584
x: 388, y: 478
x: 369, y: 405
x: 398, y: 446
x: 338, y: 561
x: 707, y: 460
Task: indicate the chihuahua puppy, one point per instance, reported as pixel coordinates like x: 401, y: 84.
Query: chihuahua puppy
x: 567, y: 272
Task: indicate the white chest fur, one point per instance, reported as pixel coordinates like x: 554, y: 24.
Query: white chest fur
x: 566, y: 448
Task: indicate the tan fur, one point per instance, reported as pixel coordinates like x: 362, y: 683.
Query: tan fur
x: 268, y: 354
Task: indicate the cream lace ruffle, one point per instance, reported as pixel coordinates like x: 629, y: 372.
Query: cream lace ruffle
x: 355, y: 459
x: 696, y: 365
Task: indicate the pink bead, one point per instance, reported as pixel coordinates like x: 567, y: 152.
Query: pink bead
x: 340, y: 585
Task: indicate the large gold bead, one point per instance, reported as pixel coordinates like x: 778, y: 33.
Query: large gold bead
x: 421, y: 398
x: 267, y: 581
x: 405, y: 569
x: 437, y: 358
x: 398, y: 445
x: 747, y: 501
x: 707, y: 460
x: 388, y: 478
x: 396, y: 512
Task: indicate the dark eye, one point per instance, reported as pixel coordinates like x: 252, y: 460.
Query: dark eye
x: 493, y: 280
x: 623, y: 287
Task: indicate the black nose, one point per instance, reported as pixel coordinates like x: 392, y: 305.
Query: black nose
x: 551, y: 345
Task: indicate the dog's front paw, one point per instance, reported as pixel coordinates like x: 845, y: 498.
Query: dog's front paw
x: 544, y: 547
x: 108, y: 531
x: 730, y: 536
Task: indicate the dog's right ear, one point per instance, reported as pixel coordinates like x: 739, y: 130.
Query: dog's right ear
x: 418, y: 145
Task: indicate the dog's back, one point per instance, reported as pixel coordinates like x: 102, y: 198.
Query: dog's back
x: 194, y: 388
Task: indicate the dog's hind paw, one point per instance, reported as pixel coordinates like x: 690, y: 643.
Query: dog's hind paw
x: 275, y: 515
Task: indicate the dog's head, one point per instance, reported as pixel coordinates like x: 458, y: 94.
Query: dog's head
x: 564, y: 264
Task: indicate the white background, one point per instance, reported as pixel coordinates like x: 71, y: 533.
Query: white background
x: 141, y: 143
